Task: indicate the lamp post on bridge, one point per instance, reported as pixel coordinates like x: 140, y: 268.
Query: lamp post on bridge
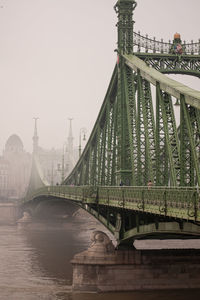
x: 82, y: 131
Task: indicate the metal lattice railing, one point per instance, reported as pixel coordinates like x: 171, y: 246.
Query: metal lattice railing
x: 179, y: 202
x: 152, y: 45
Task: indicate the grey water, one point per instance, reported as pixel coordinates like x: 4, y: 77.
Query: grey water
x: 35, y: 264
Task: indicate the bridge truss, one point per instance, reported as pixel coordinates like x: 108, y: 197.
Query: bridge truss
x: 136, y: 138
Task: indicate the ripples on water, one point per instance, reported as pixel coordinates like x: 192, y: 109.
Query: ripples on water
x: 35, y: 264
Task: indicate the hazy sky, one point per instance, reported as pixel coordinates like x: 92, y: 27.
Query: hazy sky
x: 57, y: 57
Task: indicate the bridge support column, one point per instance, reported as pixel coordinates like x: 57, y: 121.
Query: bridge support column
x: 25, y: 220
x: 102, y: 268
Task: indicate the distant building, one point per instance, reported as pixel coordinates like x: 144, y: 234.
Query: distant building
x: 56, y: 164
x: 4, y: 179
x: 50, y: 162
x: 15, y: 166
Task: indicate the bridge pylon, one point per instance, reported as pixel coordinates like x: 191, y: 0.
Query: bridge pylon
x: 124, y: 10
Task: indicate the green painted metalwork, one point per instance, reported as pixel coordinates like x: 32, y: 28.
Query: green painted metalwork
x: 193, y: 156
x: 147, y: 45
x: 180, y: 205
x: 129, y: 87
x: 127, y: 144
x: 146, y: 133
x: 36, y: 177
x: 124, y: 9
x: 136, y: 138
x: 162, y: 164
x: 168, y: 85
x: 172, y: 64
x: 165, y: 115
x: 170, y: 142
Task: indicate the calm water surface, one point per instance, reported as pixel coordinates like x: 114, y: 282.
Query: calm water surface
x: 35, y: 264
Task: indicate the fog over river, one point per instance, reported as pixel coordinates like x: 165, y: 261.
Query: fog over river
x: 35, y: 263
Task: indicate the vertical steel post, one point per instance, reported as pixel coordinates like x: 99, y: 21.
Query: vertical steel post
x: 124, y: 9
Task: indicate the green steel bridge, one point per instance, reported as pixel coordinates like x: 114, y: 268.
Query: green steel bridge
x: 139, y: 173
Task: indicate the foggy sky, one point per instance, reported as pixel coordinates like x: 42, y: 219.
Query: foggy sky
x: 57, y: 57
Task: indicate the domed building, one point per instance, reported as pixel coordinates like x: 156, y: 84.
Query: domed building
x: 16, y: 170
x: 14, y: 144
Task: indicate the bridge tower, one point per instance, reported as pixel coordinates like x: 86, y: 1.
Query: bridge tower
x: 124, y: 10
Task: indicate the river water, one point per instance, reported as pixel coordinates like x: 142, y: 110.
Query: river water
x: 35, y: 264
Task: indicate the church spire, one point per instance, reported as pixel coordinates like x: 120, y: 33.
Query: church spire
x: 35, y: 138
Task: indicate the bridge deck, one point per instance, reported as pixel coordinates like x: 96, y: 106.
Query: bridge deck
x: 180, y: 203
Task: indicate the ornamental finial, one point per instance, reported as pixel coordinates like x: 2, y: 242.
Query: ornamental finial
x: 177, y: 36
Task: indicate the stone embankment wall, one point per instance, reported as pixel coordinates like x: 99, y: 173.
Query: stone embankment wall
x: 9, y: 213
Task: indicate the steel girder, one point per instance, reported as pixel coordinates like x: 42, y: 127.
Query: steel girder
x: 146, y: 132
x: 36, y: 177
x: 134, y: 212
x: 99, y: 160
x: 167, y: 143
x: 132, y: 134
x: 176, y: 158
x: 162, y: 165
x: 135, y: 136
x: 172, y: 64
x: 190, y: 144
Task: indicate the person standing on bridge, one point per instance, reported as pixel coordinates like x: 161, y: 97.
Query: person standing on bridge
x: 150, y: 184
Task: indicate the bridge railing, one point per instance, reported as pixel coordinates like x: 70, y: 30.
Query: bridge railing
x: 178, y: 202
x: 75, y: 193
x: 153, y: 45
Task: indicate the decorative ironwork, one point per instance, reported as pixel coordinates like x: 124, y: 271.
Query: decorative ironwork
x: 173, y: 64
x: 178, y: 202
x: 152, y: 45
x: 136, y: 139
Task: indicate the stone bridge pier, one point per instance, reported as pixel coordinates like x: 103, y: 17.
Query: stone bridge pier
x: 102, y: 268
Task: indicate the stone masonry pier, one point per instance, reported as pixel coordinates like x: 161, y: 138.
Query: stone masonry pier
x: 102, y: 268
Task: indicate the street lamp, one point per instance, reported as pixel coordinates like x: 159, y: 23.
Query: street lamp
x: 61, y: 167
x: 82, y: 132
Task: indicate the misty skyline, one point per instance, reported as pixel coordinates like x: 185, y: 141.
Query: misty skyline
x: 57, y: 57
